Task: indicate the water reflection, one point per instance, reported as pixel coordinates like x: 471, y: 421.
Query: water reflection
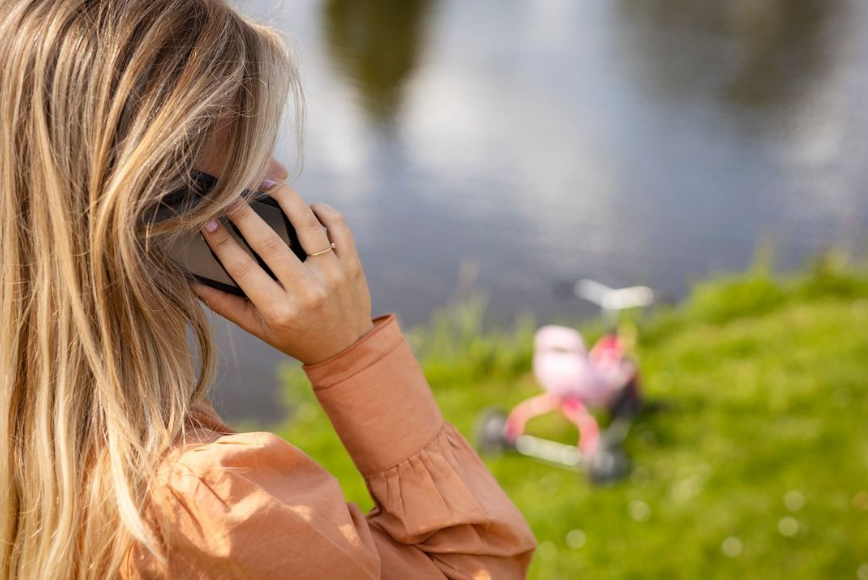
x: 752, y: 53
x: 376, y: 43
x: 785, y: 45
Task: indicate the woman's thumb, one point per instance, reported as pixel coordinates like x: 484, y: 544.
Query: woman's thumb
x: 229, y: 306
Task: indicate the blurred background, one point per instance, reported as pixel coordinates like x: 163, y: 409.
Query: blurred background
x: 524, y: 143
x: 511, y: 146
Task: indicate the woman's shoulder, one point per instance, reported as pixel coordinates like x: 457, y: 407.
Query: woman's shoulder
x: 225, y: 495
x: 212, y: 450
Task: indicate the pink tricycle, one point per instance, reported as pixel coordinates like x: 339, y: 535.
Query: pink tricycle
x: 576, y: 381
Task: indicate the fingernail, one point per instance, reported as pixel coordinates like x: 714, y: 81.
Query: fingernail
x: 267, y: 184
x: 211, y: 226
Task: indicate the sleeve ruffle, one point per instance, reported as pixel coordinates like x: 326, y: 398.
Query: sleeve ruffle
x: 445, y: 487
x: 433, y: 495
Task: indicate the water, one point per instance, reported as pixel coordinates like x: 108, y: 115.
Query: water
x: 529, y: 142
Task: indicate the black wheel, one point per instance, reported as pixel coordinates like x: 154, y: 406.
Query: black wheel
x: 490, y: 429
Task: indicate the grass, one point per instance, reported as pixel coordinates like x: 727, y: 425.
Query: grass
x: 754, y: 465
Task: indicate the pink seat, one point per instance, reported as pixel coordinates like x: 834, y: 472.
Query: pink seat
x: 562, y: 367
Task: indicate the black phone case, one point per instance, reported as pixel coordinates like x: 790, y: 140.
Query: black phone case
x: 204, y: 184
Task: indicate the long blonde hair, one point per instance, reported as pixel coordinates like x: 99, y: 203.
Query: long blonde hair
x: 104, y: 106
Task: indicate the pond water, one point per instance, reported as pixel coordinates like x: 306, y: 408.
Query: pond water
x: 515, y: 145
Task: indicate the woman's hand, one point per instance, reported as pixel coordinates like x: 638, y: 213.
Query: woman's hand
x: 319, y: 307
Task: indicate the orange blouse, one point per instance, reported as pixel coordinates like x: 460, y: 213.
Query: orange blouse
x: 252, y: 506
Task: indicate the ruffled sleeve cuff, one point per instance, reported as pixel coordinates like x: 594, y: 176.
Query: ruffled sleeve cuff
x: 376, y: 396
x: 445, y: 497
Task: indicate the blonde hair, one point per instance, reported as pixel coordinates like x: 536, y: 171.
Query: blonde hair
x: 104, y: 107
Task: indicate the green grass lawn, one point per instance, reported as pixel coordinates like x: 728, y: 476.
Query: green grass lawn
x: 753, y: 465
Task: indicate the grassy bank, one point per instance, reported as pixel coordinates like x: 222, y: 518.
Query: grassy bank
x: 755, y: 464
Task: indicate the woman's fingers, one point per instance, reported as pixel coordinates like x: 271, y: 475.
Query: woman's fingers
x: 338, y: 232
x: 324, y: 305
x: 234, y: 308
x: 268, y: 244
x: 243, y: 268
x: 311, y: 234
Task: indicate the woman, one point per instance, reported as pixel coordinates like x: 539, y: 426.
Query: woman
x: 112, y: 462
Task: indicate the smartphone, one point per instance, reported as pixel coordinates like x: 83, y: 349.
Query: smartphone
x: 194, y: 255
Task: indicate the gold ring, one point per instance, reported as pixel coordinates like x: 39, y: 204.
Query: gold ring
x: 324, y: 251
